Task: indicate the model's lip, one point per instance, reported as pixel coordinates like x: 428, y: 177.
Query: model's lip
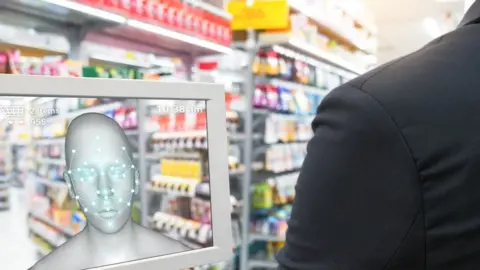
x: 107, y: 214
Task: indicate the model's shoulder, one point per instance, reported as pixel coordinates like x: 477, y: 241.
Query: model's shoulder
x: 157, y: 241
x: 71, y: 255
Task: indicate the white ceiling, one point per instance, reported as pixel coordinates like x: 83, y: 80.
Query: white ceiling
x: 400, y: 23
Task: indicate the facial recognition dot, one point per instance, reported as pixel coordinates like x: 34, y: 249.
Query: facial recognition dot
x: 85, y: 210
x: 92, y: 169
x: 69, y: 172
x: 78, y: 169
x: 73, y: 151
x: 77, y: 197
x: 108, y: 209
x: 116, y: 161
x: 133, y: 190
x: 109, y: 223
x: 133, y: 166
x: 113, y: 190
x: 123, y: 165
x: 123, y: 148
x: 93, y: 203
x: 120, y: 200
x: 98, y: 191
x: 81, y: 179
x: 124, y: 175
x: 106, y: 197
x: 85, y: 163
x: 128, y: 204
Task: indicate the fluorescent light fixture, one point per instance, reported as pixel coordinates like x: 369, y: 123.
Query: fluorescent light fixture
x: 88, y: 10
x: 179, y: 36
x: 432, y: 28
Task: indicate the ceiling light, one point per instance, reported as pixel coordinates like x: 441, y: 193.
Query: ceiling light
x: 178, y: 36
x: 432, y: 28
x: 88, y: 10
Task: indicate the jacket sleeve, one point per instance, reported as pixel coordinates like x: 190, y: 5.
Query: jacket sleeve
x: 358, y: 200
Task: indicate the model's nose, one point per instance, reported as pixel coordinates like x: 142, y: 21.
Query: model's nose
x: 104, y: 189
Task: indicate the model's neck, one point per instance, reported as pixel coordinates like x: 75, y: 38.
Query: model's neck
x: 113, y: 241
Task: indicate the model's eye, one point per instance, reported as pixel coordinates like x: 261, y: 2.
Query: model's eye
x: 86, y: 174
x: 117, y: 172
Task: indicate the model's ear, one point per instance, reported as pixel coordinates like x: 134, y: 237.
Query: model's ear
x: 136, y: 184
x: 68, y: 180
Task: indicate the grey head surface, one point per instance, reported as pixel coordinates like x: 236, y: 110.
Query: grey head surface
x: 100, y: 173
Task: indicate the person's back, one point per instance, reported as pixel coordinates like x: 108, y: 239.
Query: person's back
x: 392, y: 176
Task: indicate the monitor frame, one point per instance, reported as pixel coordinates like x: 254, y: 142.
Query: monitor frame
x: 213, y: 94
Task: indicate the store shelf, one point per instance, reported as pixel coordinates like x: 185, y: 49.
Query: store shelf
x: 287, y: 43
x: 98, y: 109
x: 70, y: 12
x: 41, y: 250
x: 51, y: 161
x: 335, y: 29
x: 48, y: 182
x: 267, y: 238
x: 4, y: 185
x: 4, y: 193
x: 50, y: 222
x: 61, y: 140
x: 297, y: 86
x: 253, y: 264
x: 4, y: 205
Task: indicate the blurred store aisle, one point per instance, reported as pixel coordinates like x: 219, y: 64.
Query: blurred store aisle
x: 16, y: 250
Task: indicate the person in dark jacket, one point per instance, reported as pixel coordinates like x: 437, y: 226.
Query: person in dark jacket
x: 391, y: 180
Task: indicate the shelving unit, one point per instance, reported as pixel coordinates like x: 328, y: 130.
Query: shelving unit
x: 267, y: 192
x: 5, y: 176
x: 109, y: 37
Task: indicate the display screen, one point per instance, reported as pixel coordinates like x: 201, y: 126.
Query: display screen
x: 104, y: 181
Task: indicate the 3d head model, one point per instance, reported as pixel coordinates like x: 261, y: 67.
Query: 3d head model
x: 101, y: 176
x: 100, y: 172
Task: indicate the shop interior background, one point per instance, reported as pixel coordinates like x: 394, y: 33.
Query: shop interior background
x: 270, y: 103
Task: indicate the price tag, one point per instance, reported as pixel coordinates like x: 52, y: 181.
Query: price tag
x: 262, y: 14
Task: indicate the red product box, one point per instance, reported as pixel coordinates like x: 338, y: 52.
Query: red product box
x: 163, y: 123
x: 201, y: 123
x: 196, y: 20
x: 212, y: 27
x: 189, y: 14
x: 161, y: 12
x: 204, y: 24
x: 226, y: 38
x: 180, y: 122
x: 113, y: 5
x: 93, y: 3
x: 172, y: 12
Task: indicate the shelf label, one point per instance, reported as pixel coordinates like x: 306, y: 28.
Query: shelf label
x: 262, y: 14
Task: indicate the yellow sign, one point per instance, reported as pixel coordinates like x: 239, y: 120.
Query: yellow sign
x: 261, y: 15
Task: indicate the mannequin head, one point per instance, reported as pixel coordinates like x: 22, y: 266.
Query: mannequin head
x: 100, y: 173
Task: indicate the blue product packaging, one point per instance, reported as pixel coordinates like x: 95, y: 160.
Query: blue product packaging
x: 285, y: 97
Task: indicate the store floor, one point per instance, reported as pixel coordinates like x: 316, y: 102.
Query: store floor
x: 17, y: 251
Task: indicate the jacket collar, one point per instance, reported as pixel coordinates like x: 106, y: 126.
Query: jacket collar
x: 472, y: 16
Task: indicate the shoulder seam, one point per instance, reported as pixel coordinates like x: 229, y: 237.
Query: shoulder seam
x: 410, y: 152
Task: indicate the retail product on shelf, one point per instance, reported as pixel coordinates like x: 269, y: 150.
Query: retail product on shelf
x: 189, y: 17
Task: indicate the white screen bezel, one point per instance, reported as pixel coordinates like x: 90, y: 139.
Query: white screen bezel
x: 213, y: 94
